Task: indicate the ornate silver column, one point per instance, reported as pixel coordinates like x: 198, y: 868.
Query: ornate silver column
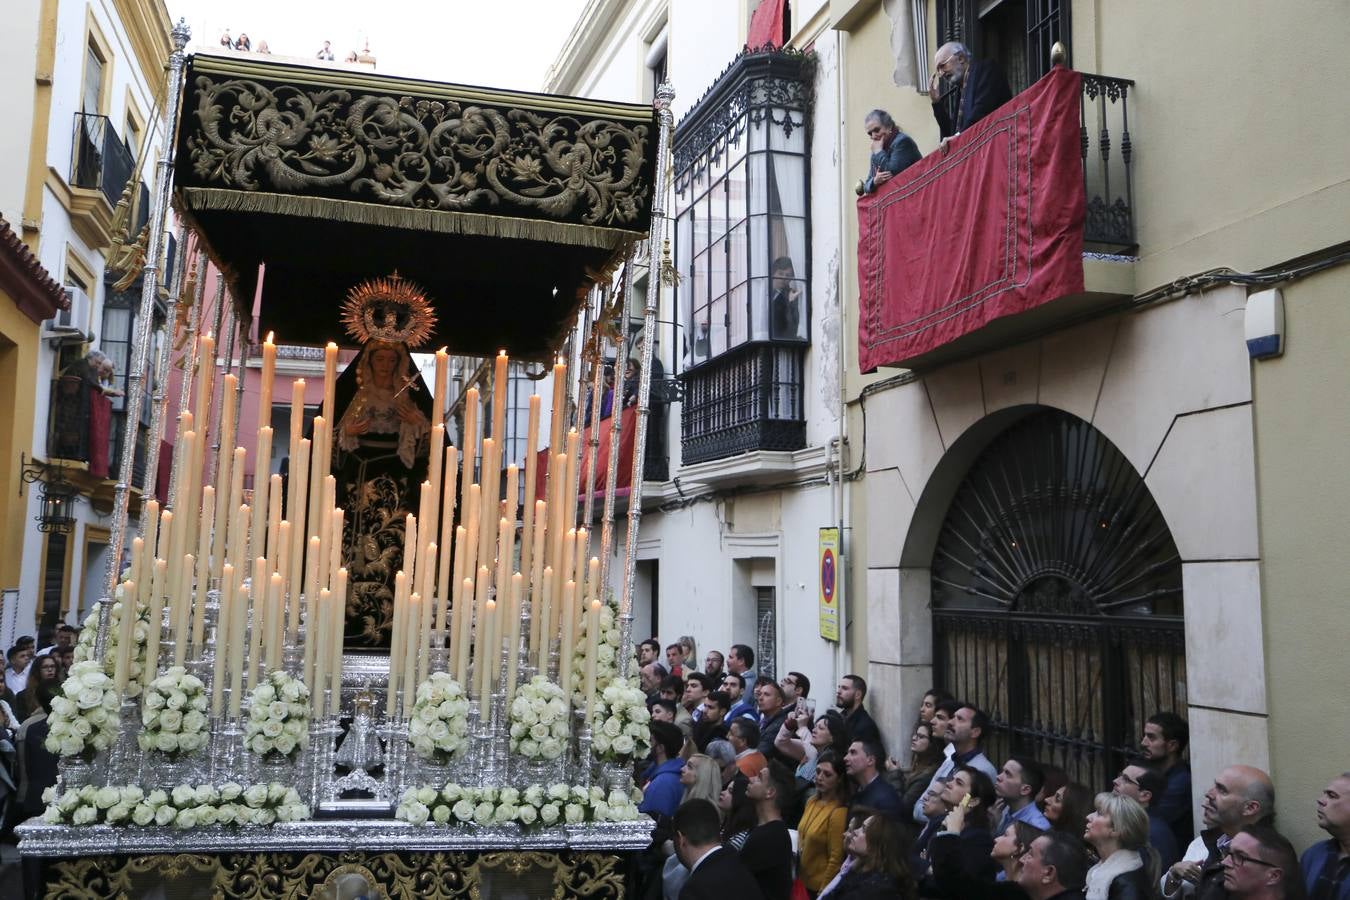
x: 664, y: 95
x: 160, y: 400
x: 597, y: 389
x: 189, y: 358
x: 149, y: 289
x: 615, y: 433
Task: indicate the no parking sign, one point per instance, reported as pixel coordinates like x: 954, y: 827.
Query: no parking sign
x: 831, y: 572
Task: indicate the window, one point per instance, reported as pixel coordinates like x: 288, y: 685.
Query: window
x: 1017, y: 34
x: 766, y: 633
x: 91, y: 98
x: 741, y: 209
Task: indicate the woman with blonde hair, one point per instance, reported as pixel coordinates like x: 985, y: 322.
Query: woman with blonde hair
x: 1128, y: 868
x: 690, y: 651
x: 702, y: 779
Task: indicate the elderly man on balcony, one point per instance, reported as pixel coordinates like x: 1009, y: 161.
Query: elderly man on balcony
x: 980, y: 83
x: 893, y: 151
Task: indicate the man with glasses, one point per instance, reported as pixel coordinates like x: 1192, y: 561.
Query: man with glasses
x: 1261, y: 865
x: 1143, y: 785
x: 1326, y: 866
x: 979, y: 86
x: 893, y: 151
x: 1241, y: 796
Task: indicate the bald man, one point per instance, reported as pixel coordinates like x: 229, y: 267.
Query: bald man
x: 979, y: 86
x: 1241, y: 796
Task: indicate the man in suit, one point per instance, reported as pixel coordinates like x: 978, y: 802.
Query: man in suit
x: 863, y: 761
x: 978, y: 83
x: 714, y: 871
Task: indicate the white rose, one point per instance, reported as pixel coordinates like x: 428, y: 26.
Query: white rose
x: 417, y: 814
x: 551, y: 748
x: 549, y: 813
x: 165, y: 815
x: 441, y: 814
x: 613, y: 727
x: 264, y: 694
x: 85, y: 815
x: 463, y: 810
x: 278, y: 709
x: 255, y: 795
x: 624, y: 744
x: 89, y: 698
x: 143, y: 814
x: 187, y: 818
x: 171, y: 720
x: 225, y: 814
x: 285, y: 745
x: 539, y: 732
x: 272, y: 728
x: 600, y: 742
x: 166, y: 742
x: 482, y: 813
x: 206, y: 815
x: 575, y: 814
x: 176, y: 700
x: 290, y: 691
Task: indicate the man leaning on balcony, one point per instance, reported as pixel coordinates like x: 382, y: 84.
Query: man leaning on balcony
x: 980, y: 82
x: 893, y: 151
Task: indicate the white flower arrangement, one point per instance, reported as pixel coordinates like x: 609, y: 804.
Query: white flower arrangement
x: 606, y: 653
x: 539, y: 726
x: 622, y: 724
x: 173, y: 714
x: 536, y: 806
x: 439, y: 726
x: 84, y: 717
x: 278, y: 716
x: 183, y: 807
x: 84, y: 647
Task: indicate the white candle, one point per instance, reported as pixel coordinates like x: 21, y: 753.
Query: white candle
x: 410, y: 654
x: 297, y: 488
x: 313, y: 629
x: 438, y: 392
x: 443, y: 583
x: 513, y: 637
x: 275, y: 620
x: 592, y: 645
x: 568, y: 648
x: 535, y: 587
x: 269, y: 369
x: 339, y: 618
x: 528, y: 528
x: 272, y: 552
x: 262, y: 454
x: 481, y: 652
x: 319, y: 628
x: 258, y: 626
x: 220, y: 642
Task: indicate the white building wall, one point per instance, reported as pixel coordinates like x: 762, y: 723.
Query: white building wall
x: 17, y: 66
x: 58, y: 237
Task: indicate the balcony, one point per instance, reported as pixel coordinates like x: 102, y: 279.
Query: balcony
x: 748, y: 399
x: 1037, y: 196
x: 100, y: 166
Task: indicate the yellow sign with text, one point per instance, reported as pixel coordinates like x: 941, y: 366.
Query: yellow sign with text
x: 831, y: 583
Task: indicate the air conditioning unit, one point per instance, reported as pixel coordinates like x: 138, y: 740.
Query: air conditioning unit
x: 74, y: 320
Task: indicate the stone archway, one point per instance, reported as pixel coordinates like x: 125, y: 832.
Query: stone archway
x: 1056, y: 596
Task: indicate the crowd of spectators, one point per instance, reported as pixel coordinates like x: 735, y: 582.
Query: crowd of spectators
x: 755, y: 795
x: 32, y: 678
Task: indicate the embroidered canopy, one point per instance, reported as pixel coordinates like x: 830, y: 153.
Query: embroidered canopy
x: 505, y: 206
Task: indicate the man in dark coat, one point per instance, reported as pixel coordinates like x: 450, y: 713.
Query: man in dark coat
x: 714, y: 871
x: 980, y: 85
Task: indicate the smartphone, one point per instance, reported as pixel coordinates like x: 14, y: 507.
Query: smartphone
x: 807, y: 706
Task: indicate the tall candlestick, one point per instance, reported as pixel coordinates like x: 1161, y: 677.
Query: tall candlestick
x: 297, y: 429
x: 499, y: 388
x: 410, y: 549
x: 424, y: 624
x: 410, y: 653
x: 224, y: 460
x: 273, y: 551
x: 339, y: 601
x: 220, y: 642
x: 461, y: 657
x: 275, y: 620
x: 181, y: 635
x: 443, y: 583
x: 317, y: 473
x: 512, y: 621
x: 258, y: 626
x: 336, y: 523
x: 570, y: 485
x: 469, y: 440
x: 580, y: 575
x: 567, y: 571
x: 330, y: 355
x: 236, y: 546
x: 324, y: 609
x: 558, y: 414
x: 186, y: 499
x: 481, y: 660
x: 269, y: 369
x: 487, y: 511
x: 157, y: 580
x: 438, y: 393
x: 150, y: 532
x: 535, y: 588
x: 242, y: 593
x: 456, y: 612
x: 203, y: 579
x: 568, y: 640
x: 395, y: 643
x: 290, y: 599
x: 493, y: 652
x: 125, y: 635
x: 297, y: 490
x: 592, y: 645
x: 512, y: 491
x: 313, y: 631
x: 431, y: 522
x: 593, y: 580
x: 531, y: 476
x: 261, y: 500
x: 557, y: 527
x: 325, y: 531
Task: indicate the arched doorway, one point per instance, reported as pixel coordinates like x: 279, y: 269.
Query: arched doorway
x: 1057, y: 602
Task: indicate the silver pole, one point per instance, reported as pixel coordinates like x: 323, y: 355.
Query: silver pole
x: 189, y: 366
x: 612, y: 473
x: 664, y: 95
x: 222, y: 325
x: 162, y: 375
x: 597, y: 379
x: 149, y: 289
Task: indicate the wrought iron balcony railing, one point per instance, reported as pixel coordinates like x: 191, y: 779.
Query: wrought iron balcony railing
x: 100, y: 159
x: 1105, y: 117
x: 750, y: 398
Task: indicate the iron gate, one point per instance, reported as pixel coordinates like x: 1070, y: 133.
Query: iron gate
x: 1057, y: 602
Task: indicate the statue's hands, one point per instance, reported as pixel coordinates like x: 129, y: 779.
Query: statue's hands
x: 356, y: 425
x: 407, y: 411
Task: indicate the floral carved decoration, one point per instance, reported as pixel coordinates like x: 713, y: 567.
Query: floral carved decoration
x: 417, y: 153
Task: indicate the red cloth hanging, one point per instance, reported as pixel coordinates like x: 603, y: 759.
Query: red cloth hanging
x: 100, y: 421
x: 623, y: 478
x: 991, y: 228
x: 766, y: 25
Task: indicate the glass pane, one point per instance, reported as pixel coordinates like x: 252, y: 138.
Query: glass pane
x: 702, y: 218
x: 93, y: 81
x: 736, y: 194
x: 718, y: 165
x: 684, y: 242
x: 717, y: 212
x: 737, y: 258
x: 699, y: 282
x: 786, y: 185
x: 700, y: 176
x: 739, y: 330
x: 718, y: 317
x: 787, y: 309
x: 759, y: 246
x: 756, y: 188
x: 787, y: 245
x: 702, y: 339
x: 683, y: 197
x: 781, y: 137
x: 759, y: 309
x: 717, y: 268
x: 737, y: 140
x: 757, y: 130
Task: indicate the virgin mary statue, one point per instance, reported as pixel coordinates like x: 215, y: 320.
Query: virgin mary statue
x: 380, y: 447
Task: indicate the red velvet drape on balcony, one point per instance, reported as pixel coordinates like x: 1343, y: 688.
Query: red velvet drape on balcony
x: 766, y: 25
x: 989, y: 229
x: 623, y: 478
x: 100, y: 421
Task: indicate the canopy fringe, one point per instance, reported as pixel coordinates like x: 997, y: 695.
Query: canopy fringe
x: 441, y: 221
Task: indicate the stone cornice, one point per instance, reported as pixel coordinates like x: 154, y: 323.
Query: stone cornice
x: 147, y: 26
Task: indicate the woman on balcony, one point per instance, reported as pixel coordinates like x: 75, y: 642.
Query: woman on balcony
x: 893, y: 151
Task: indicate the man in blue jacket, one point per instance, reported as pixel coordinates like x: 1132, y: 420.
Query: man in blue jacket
x: 893, y: 151
x: 1326, y: 866
x: 661, y: 788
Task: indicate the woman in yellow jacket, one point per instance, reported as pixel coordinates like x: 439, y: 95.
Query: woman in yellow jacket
x: 820, y: 833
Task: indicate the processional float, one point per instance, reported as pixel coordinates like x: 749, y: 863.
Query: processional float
x: 214, y: 707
